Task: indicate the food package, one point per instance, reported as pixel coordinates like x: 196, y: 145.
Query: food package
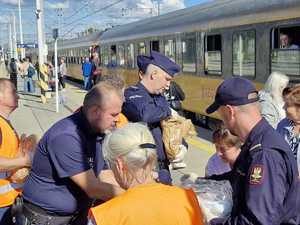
x: 27, y: 144
x: 214, y: 197
x: 174, y: 129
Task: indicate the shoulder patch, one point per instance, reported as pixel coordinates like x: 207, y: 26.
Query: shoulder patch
x: 257, y: 174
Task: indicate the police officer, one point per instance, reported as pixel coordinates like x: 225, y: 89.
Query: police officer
x: 264, y: 177
x: 67, y: 169
x: 145, y: 102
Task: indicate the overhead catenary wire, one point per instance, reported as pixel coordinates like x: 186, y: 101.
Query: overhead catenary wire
x: 94, y: 12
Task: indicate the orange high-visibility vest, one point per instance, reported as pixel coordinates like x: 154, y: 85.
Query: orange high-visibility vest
x: 153, y: 204
x: 9, y: 148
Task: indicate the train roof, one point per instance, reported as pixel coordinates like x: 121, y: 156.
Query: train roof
x: 213, y: 15
x: 84, y: 41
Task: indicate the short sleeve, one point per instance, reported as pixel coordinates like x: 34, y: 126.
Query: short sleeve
x: 67, y: 154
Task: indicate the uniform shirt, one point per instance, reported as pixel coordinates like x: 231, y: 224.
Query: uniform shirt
x: 150, y: 204
x: 141, y: 106
x: 265, y: 181
x: 63, y: 152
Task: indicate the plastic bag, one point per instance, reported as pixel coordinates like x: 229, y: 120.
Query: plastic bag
x: 214, y: 197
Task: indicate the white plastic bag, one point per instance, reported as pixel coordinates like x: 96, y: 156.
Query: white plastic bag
x: 214, y: 197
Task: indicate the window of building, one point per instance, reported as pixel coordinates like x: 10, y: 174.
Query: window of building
x: 244, y: 53
x: 170, y: 50
x: 213, y: 54
x: 130, y: 55
x: 285, y: 51
x: 121, y: 55
x: 189, y: 54
x: 142, y: 48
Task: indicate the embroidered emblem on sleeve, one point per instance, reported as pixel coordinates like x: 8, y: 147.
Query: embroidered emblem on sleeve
x: 256, y: 176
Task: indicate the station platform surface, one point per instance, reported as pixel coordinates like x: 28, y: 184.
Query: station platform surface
x: 34, y: 117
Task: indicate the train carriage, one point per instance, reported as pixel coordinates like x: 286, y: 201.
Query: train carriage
x: 211, y: 42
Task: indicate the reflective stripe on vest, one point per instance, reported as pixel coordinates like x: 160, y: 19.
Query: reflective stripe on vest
x: 9, y: 187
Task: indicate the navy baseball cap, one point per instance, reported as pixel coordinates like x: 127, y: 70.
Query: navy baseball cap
x: 159, y: 60
x: 234, y: 91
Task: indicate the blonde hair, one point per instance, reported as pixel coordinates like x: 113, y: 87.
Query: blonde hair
x: 275, y: 81
x: 134, y: 143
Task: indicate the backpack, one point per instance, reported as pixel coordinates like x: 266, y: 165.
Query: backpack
x: 30, y: 71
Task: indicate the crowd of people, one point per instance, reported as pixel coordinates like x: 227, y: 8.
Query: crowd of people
x: 107, y: 163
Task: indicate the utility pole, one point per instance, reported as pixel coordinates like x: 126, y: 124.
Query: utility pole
x: 14, y: 37
x: 40, y: 30
x: 55, y: 36
x: 21, y: 30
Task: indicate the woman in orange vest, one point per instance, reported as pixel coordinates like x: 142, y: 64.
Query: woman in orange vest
x: 131, y: 154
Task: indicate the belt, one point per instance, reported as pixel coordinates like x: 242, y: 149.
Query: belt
x: 40, y: 217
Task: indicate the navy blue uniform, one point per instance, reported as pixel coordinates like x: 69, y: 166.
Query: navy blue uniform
x: 265, y: 181
x: 141, y: 106
x: 65, y: 150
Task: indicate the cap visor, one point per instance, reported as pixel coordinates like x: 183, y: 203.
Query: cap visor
x: 212, y: 108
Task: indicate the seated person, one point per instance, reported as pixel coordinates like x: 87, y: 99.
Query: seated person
x: 285, y: 42
x: 131, y: 154
x: 227, y: 150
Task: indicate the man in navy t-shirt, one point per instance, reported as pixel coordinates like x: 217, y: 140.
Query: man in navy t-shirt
x: 66, y: 170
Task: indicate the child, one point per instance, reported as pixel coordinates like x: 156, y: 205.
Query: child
x: 227, y: 150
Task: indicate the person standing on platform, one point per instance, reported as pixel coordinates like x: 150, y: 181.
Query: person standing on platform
x: 264, y: 178
x: 13, y: 70
x: 62, y: 72
x: 144, y: 102
x: 11, y: 157
x: 61, y: 189
x: 87, y: 73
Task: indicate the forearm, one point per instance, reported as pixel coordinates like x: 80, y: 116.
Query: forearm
x: 105, y: 191
x: 7, y: 164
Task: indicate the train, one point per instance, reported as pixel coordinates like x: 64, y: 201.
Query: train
x: 210, y: 41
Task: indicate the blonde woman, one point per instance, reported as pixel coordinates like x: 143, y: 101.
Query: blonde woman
x: 270, y: 98
x: 131, y: 154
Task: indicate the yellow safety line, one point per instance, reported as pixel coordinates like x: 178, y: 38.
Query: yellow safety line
x: 201, y: 145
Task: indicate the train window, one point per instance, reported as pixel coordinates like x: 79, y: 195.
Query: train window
x: 285, y: 53
x: 189, y: 55
x: 244, y: 53
x: 142, y: 48
x: 121, y: 54
x: 130, y: 55
x: 113, y: 55
x: 213, y: 54
x: 105, y: 56
x: 155, y: 45
x: 170, y: 50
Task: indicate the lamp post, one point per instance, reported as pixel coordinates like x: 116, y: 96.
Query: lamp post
x: 21, y: 30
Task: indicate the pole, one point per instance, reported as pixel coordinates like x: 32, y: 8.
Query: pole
x: 15, y: 38
x: 56, y: 75
x: 10, y: 41
x: 39, y: 14
x: 21, y: 30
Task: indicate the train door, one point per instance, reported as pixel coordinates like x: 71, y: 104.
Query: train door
x: 154, y: 45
